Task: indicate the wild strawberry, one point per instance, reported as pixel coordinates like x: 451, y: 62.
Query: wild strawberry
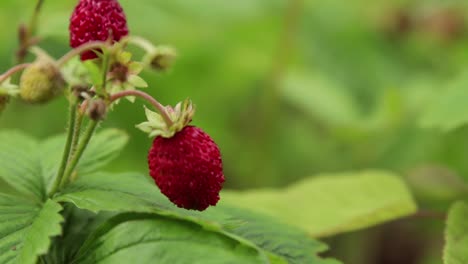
x: 94, y: 20
x: 187, y: 168
x: 184, y: 161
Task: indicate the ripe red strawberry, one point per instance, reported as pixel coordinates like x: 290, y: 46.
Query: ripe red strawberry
x: 94, y: 20
x: 187, y: 168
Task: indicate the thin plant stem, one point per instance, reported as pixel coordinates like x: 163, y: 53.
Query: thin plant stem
x: 13, y: 70
x: 77, y: 51
x: 79, y: 151
x: 66, y: 151
x: 92, y: 124
x: 76, y: 132
x: 35, y: 17
x: 105, y: 63
x: 161, y: 109
x: 140, y: 42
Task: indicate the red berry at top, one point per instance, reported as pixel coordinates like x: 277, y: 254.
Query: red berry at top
x: 187, y: 168
x: 94, y: 20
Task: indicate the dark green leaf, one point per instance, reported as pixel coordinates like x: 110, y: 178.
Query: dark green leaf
x: 147, y: 238
x: 133, y: 192
x: 26, y: 229
x: 112, y: 192
x: 286, y: 241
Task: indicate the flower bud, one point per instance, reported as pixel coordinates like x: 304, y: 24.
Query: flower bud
x: 161, y: 58
x: 82, y: 92
x: 97, y: 110
x: 41, y: 81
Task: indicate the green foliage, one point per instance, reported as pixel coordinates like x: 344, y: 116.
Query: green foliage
x: 221, y: 234
x: 271, y: 235
x: 104, y: 147
x: 146, y: 238
x: 437, y: 184
x: 448, y: 110
x: 319, y: 98
x: 112, y: 192
x: 456, y: 235
x: 26, y: 228
x: 357, y: 98
x: 20, y: 164
x: 340, y: 202
x: 133, y: 192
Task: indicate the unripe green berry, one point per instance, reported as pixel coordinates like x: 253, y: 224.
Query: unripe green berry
x: 41, y: 82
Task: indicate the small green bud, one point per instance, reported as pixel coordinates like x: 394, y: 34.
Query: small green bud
x: 161, y: 58
x: 41, y: 82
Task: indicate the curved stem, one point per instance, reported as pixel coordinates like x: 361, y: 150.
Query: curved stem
x: 79, y: 152
x: 13, y: 70
x: 161, y: 109
x: 66, y: 151
x: 35, y: 17
x: 140, y: 42
x: 77, y: 51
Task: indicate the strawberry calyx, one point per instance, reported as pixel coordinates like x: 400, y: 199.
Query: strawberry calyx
x: 180, y: 115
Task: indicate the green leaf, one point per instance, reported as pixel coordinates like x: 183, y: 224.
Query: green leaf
x: 94, y: 72
x: 332, y: 204
x: 436, y: 183
x: 133, y: 192
x: 79, y: 224
x: 456, y: 235
x: 282, y: 240
x: 145, y: 237
x: 112, y: 192
x: 137, y: 81
x: 19, y: 164
x: 104, y: 147
x: 26, y: 229
x: 448, y: 110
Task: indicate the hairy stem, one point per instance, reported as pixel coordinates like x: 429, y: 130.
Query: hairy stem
x: 76, y: 132
x: 105, y: 65
x: 13, y: 70
x: 66, y: 151
x: 79, y: 152
x: 161, y: 109
x: 79, y: 146
x: 77, y: 51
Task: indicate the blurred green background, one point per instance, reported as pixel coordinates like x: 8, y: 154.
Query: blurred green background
x: 289, y: 89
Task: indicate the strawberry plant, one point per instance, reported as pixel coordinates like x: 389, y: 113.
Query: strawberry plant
x: 58, y: 204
